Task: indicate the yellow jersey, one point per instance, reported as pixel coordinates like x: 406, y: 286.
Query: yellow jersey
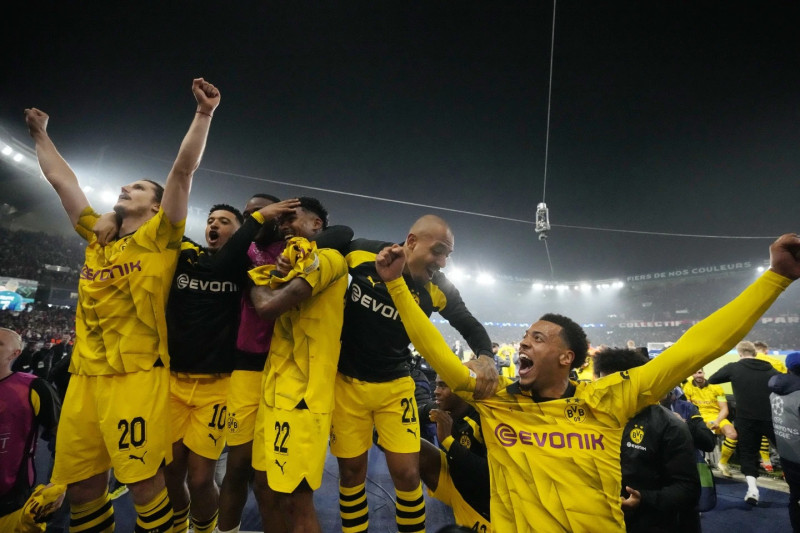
x: 122, y: 293
x: 555, y: 465
x: 776, y: 363
x: 507, y: 352
x: 705, y: 398
x: 304, y: 352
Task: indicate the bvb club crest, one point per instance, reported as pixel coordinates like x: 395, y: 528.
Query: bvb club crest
x: 465, y: 441
x: 415, y: 294
x: 637, y: 434
x: 575, y: 413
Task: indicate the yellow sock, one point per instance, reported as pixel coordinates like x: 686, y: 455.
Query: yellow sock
x: 764, y: 451
x: 155, y: 516
x: 353, y: 508
x: 728, y: 447
x: 205, y: 526
x: 410, y: 510
x: 97, y: 516
x: 180, y: 521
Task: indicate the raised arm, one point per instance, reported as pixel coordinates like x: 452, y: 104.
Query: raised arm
x: 179, y: 181
x: 718, y: 333
x: 422, y: 333
x: 55, y: 169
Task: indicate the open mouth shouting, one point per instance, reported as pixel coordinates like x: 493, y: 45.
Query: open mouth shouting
x: 525, y: 365
x: 213, y: 237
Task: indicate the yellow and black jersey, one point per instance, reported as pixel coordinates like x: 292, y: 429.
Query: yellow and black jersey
x: 122, y: 293
x: 374, y: 343
x: 301, y: 365
x: 554, y: 463
x: 776, y: 363
x: 705, y: 398
x: 465, y: 451
x: 204, y: 302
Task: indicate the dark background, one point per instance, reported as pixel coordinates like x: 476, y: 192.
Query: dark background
x: 666, y: 117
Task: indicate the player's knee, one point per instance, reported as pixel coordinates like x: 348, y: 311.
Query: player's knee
x: 406, y: 477
x: 200, y: 479
x: 88, y: 490
x: 352, y: 472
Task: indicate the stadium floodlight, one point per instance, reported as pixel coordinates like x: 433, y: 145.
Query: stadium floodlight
x: 484, y: 278
x: 538, y: 286
x: 562, y: 287
x: 87, y: 189
x: 456, y: 274
x: 618, y: 284
x: 760, y: 269
x: 18, y: 157
x: 585, y: 286
x: 108, y: 197
x: 7, y: 150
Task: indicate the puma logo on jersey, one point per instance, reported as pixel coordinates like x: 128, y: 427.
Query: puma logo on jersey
x: 411, y: 431
x: 131, y: 456
x: 210, y: 436
x: 281, y: 465
x: 373, y: 281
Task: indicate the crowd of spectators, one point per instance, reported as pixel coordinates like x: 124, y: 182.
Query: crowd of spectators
x: 24, y: 254
x: 607, y: 317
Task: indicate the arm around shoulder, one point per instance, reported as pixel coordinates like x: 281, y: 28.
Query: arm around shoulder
x: 271, y: 303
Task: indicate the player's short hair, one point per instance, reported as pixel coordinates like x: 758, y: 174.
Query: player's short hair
x: 230, y: 209
x: 158, y: 191
x: 761, y: 345
x: 266, y: 196
x: 573, y: 336
x: 612, y: 360
x: 746, y: 347
x: 314, y: 205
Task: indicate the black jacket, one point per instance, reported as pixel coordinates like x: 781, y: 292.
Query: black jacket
x: 658, y: 459
x: 748, y: 377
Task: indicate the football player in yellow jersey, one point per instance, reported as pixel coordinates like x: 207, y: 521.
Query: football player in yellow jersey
x: 761, y: 353
x: 553, y: 444
x: 713, y: 405
x: 115, y: 411
x: 507, y: 352
x: 304, y: 294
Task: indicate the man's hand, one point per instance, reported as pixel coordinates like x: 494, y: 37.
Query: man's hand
x: 390, y: 262
x: 784, y: 256
x: 283, y: 266
x: 36, y: 121
x: 485, y: 375
x: 444, y: 423
x: 206, y: 94
x: 633, y: 500
x: 106, y: 228
x: 273, y: 211
x: 713, y: 425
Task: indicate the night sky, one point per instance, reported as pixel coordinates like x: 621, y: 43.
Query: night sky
x: 666, y: 117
